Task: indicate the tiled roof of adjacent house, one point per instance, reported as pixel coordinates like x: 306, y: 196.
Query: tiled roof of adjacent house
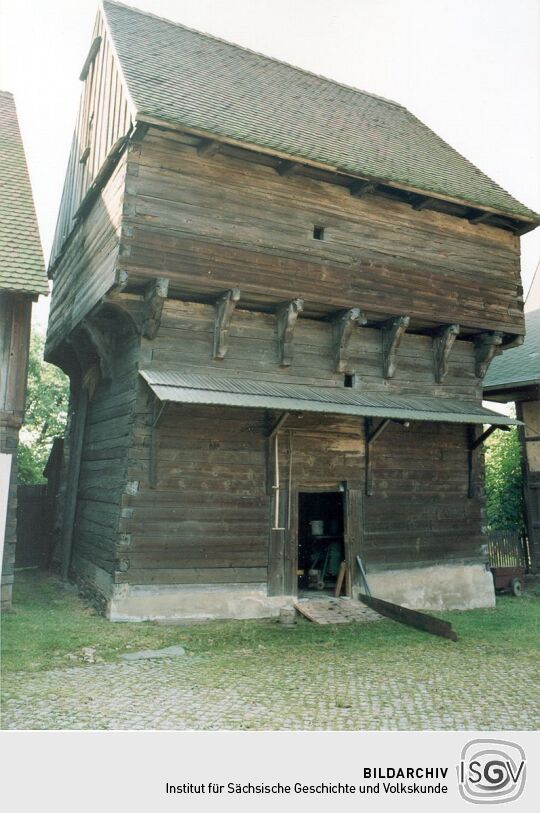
x: 200, y: 82
x: 519, y: 366
x: 21, y: 255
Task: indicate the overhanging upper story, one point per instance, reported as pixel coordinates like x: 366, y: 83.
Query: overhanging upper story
x: 217, y: 169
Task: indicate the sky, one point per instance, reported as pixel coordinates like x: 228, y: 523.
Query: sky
x: 470, y: 69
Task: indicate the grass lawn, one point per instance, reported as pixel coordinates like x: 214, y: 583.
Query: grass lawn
x: 50, y: 626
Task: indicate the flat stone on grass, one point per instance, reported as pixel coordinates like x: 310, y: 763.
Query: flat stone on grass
x: 147, y: 654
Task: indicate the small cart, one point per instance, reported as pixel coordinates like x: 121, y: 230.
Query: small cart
x: 509, y: 578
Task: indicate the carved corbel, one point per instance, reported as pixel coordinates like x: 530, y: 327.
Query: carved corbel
x: 342, y: 326
x: 225, y: 306
x: 154, y: 299
x: 443, y: 342
x: 486, y: 347
x: 392, y: 333
x: 286, y: 321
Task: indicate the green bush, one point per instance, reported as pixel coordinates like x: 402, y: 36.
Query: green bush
x: 504, y: 494
x: 47, y: 399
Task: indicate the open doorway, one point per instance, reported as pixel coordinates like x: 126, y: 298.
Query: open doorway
x: 321, y: 545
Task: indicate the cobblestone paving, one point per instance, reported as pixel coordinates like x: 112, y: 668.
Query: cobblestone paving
x: 253, y: 691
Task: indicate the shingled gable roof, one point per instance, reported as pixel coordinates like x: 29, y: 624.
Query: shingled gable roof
x: 207, y: 85
x: 21, y: 256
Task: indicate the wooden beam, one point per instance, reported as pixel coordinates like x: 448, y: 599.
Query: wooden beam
x: 209, y: 148
x: 342, y: 325
x: 278, y: 424
x: 92, y: 53
x: 225, y: 306
x: 78, y: 425
x: 286, y: 321
x: 101, y: 344
x: 372, y: 436
x: 154, y: 299
x: 486, y: 433
x: 412, y: 618
x: 486, y: 347
x: 285, y: 168
x: 392, y: 333
x: 360, y: 188
x: 442, y: 345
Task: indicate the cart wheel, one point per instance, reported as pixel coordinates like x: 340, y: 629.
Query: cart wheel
x: 320, y: 585
x: 516, y: 587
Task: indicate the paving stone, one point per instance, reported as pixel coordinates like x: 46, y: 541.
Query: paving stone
x: 256, y: 691
x: 148, y: 654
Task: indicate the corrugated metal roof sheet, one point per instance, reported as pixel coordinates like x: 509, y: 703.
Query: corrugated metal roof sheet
x: 21, y: 256
x: 201, y: 82
x: 519, y: 365
x: 190, y: 388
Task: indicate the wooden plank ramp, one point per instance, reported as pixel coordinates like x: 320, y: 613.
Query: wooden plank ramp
x: 322, y: 610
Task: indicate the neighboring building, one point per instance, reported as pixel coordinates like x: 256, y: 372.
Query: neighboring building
x: 276, y: 297
x: 516, y: 377
x: 22, y: 279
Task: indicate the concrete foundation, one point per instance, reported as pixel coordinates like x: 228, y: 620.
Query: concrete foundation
x: 449, y: 587
x: 440, y: 587
x: 202, y: 602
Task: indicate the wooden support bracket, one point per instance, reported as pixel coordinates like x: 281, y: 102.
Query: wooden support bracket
x: 474, y: 441
x: 102, y: 347
x: 392, y: 333
x: 286, y: 321
x: 486, y: 347
x: 285, y: 168
x: 209, y: 148
x: 360, y: 188
x: 342, y: 325
x: 479, y: 217
x: 371, y: 436
x: 154, y: 299
x: 225, y: 306
x: 442, y: 345
x: 421, y: 202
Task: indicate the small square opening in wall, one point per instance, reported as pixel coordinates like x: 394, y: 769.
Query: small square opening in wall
x: 318, y: 232
x: 349, y: 380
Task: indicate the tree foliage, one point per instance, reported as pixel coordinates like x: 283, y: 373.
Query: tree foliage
x: 47, y: 399
x: 504, y: 494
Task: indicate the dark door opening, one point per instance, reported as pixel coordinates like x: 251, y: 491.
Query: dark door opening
x: 321, y: 543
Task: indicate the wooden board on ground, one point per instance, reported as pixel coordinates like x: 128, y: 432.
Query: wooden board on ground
x: 412, y: 618
x: 335, y: 610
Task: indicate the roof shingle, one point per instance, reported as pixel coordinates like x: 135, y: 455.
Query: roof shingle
x: 197, y: 81
x: 21, y: 255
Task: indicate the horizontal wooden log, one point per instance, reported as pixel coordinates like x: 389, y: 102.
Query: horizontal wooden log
x: 411, y: 618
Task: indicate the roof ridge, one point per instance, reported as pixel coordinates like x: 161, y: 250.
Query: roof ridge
x: 255, y: 53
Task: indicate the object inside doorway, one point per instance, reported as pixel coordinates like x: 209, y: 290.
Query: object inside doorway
x: 321, y: 547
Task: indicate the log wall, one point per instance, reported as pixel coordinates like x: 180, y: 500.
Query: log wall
x: 210, y: 223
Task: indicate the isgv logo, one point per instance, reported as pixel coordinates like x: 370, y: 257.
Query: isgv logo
x: 491, y: 771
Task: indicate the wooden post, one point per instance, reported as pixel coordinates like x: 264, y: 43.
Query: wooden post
x: 74, y: 467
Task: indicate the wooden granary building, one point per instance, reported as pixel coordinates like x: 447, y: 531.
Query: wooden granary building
x: 22, y: 280
x: 276, y: 298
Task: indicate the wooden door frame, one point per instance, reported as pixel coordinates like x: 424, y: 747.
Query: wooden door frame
x: 352, y: 508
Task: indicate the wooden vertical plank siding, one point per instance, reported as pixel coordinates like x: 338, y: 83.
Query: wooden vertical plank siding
x: 178, y: 494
